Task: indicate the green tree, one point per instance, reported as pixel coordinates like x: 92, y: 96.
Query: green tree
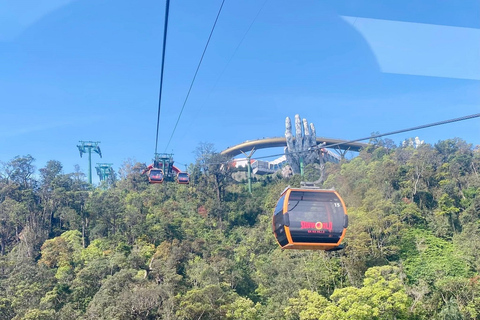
x: 381, y: 297
x: 20, y: 171
x: 205, y: 302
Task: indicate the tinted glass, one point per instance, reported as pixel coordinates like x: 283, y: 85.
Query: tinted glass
x: 156, y: 175
x: 316, y: 217
x: 279, y: 206
x: 183, y: 176
x: 278, y: 223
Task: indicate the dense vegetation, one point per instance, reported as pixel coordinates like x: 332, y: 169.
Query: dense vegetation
x: 132, y: 250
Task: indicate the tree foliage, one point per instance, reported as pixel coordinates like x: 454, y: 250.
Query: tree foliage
x: 205, y: 250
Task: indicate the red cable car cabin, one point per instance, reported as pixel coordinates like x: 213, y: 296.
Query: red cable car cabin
x: 183, y: 178
x: 310, y: 219
x: 155, y: 175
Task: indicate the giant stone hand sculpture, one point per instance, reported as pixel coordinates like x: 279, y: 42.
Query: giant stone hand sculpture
x: 297, y: 149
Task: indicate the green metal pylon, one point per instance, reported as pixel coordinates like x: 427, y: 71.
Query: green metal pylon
x: 301, y: 166
x: 89, y: 145
x: 104, y: 170
x: 249, y: 167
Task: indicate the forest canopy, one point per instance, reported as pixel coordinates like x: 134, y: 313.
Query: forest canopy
x: 131, y: 250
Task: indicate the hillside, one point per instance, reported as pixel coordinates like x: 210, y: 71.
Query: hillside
x: 131, y: 250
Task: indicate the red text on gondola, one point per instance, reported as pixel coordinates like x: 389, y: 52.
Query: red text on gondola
x: 316, y: 225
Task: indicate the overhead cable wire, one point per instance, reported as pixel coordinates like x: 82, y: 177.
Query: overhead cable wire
x: 167, y: 7
x: 409, y: 129
x: 232, y: 56
x: 477, y: 115
x: 195, y: 76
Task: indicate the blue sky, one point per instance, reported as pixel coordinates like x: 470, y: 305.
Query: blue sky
x: 89, y: 70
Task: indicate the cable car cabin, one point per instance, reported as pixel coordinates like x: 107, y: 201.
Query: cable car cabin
x: 183, y: 178
x: 155, y: 175
x: 310, y: 219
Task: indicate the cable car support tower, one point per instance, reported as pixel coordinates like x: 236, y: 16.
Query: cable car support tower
x: 88, y: 146
x: 104, y: 171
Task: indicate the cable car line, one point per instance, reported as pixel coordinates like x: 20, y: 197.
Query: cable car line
x: 231, y: 57
x: 472, y: 116
x: 195, y: 75
x: 385, y: 134
x: 155, y: 173
x: 305, y: 226
x: 158, y: 178
x: 167, y: 7
x: 409, y: 129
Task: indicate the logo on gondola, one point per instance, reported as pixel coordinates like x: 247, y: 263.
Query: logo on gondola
x: 316, y: 225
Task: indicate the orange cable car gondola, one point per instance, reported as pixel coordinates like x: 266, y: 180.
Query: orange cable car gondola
x: 310, y: 219
x: 183, y: 178
x: 155, y: 175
